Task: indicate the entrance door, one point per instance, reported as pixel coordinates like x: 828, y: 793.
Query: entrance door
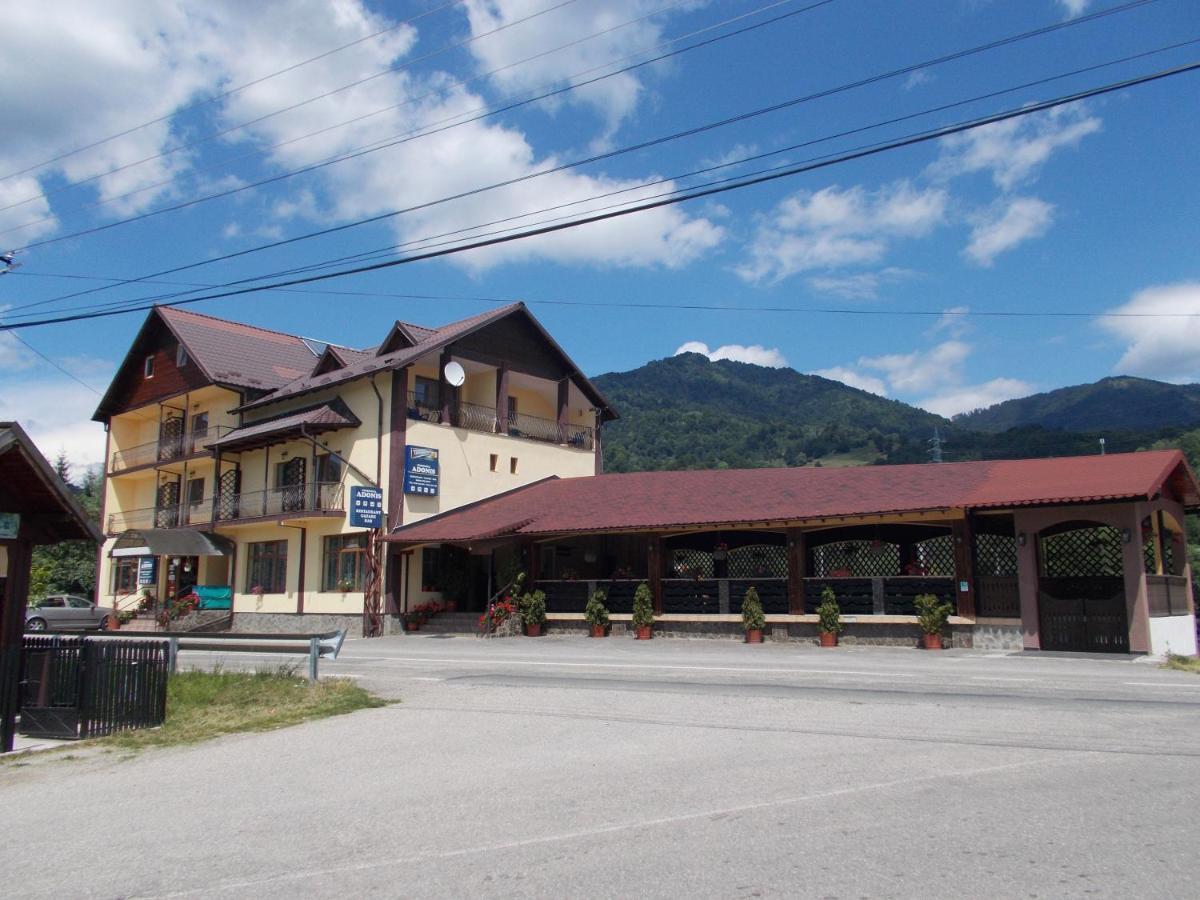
x: 1081, y: 590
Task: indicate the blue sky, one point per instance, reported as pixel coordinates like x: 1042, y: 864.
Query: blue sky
x: 1085, y: 209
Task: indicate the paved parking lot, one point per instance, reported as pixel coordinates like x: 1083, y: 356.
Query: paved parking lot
x: 568, y: 767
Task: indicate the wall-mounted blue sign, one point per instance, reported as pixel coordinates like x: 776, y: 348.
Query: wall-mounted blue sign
x: 147, y: 570
x: 421, y: 471
x: 366, y: 507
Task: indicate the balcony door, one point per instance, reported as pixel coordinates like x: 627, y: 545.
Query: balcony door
x: 289, y: 479
x: 170, y: 437
x: 166, y: 514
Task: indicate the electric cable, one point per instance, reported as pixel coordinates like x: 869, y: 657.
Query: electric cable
x: 912, y: 140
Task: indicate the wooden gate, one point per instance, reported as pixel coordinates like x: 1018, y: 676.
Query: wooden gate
x: 1085, y: 614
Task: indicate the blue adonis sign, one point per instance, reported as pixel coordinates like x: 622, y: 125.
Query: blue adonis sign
x: 366, y: 507
x: 421, y: 471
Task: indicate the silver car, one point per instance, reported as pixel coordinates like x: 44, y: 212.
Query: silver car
x: 66, y: 612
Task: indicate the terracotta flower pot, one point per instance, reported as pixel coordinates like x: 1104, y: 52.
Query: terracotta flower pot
x: 645, y: 632
x: 413, y: 625
x: 829, y: 638
x: 533, y: 630
x: 754, y: 636
x: 597, y: 630
x: 933, y: 641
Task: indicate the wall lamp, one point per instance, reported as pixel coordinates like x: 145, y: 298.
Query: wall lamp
x: 1021, y: 538
x: 1126, y: 535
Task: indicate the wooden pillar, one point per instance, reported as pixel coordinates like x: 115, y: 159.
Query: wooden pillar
x: 216, y: 499
x: 12, y: 630
x: 598, y: 448
x: 397, y: 440
x: 654, y: 565
x: 564, y: 392
x: 303, y: 566
x: 447, y: 389
x: 796, y: 555
x: 534, y: 564
x: 963, y: 536
x: 502, y: 398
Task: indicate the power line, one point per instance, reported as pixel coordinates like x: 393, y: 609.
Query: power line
x: 642, y: 145
x: 391, y: 69
x: 909, y: 141
x: 215, y: 98
x: 404, y: 139
x: 424, y: 242
x: 704, y: 307
x: 69, y: 374
x: 442, y: 89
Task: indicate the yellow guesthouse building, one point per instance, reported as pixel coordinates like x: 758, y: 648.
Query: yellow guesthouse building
x: 234, y: 453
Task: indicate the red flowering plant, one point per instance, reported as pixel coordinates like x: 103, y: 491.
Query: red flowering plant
x: 497, y: 614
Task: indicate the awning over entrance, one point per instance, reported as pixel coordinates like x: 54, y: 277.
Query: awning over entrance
x: 311, y: 420
x: 171, y: 542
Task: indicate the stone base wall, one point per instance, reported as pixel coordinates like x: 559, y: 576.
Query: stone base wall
x: 958, y: 636
x: 999, y: 637
x: 306, y: 623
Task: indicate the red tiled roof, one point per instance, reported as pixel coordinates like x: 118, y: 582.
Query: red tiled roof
x: 656, y: 500
x: 313, y: 419
x: 237, y: 354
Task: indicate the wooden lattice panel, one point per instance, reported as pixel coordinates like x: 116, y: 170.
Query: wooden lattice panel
x: 1084, y: 552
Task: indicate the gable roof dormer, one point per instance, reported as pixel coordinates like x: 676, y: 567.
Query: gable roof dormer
x: 400, y: 337
x: 329, y: 361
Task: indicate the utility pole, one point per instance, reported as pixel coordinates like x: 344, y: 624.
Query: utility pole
x: 935, y: 446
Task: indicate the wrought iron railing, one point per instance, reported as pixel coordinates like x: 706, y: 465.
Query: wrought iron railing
x: 300, y: 498
x: 171, y: 516
x: 476, y: 417
x: 166, y: 449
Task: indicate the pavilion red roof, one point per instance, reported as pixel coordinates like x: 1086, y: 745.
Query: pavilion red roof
x: 658, y: 500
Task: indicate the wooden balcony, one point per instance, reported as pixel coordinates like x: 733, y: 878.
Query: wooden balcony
x: 315, y: 499
x: 164, y: 450
x: 474, y: 417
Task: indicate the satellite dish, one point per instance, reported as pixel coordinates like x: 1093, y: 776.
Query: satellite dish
x: 455, y: 373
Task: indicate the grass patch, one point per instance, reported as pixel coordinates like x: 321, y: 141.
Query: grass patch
x: 204, y: 705
x: 1182, y: 663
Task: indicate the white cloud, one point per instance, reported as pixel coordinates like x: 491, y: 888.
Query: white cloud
x: 855, y: 379
x: 1074, y: 7
x: 835, y: 228
x: 953, y: 321
x: 754, y: 353
x: 132, y: 60
x: 1160, y: 346
x: 859, y: 285
x: 1014, y: 151
x: 57, y: 415
x: 614, y: 98
x: 975, y: 396
x: 1005, y: 226
x: 916, y: 79
x: 921, y: 370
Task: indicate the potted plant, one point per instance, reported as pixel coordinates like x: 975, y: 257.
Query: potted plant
x: 932, y: 615
x: 752, y: 617
x: 643, y: 613
x: 829, y: 618
x: 346, y: 585
x: 533, y: 612
x: 596, y: 613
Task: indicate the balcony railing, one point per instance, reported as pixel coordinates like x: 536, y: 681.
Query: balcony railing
x: 167, y: 449
x: 474, y: 417
x: 284, y: 501
x: 172, y: 516
x: 281, y: 501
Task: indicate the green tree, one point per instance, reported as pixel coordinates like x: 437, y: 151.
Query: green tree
x: 70, y: 566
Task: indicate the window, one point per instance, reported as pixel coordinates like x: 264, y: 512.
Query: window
x: 345, y: 564
x: 427, y: 391
x: 124, y: 575
x: 267, y: 568
x: 200, y: 426
x: 148, y: 367
x: 494, y: 461
x: 78, y: 603
x: 512, y: 408
x: 181, y: 357
x: 195, y: 491
x: 329, y: 469
x: 53, y: 603
x: 512, y: 465
x: 431, y: 569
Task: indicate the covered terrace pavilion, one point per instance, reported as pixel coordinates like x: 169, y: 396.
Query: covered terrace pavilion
x: 1081, y: 553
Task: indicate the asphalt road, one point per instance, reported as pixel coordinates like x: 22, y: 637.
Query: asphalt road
x: 566, y: 767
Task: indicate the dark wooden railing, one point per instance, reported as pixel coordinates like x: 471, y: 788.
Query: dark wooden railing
x: 474, y: 417
x: 1168, y: 595
x: 312, y: 497
x: 997, y: 597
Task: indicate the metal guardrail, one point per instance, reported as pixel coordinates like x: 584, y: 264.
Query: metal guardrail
x: 474, y: 417
x: 315, y: 646
x: 166, y: 449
